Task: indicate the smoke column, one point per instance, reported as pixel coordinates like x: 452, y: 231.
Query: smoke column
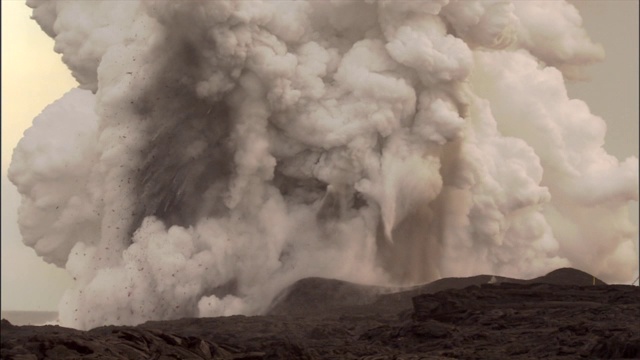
x: 217, y: 151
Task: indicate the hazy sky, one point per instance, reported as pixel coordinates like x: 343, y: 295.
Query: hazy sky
x: 33, y: 76
x: 612, y: 92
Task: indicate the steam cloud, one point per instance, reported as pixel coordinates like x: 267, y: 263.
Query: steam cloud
x: 217, y: 151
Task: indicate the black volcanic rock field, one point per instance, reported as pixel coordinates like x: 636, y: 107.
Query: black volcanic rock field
x: 566, y: 314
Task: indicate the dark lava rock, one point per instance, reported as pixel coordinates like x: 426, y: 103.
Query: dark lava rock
x: 540, y: 320
x: 566, y: 317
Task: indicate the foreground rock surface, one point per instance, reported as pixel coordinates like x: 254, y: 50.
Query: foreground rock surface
x: 560, y: 316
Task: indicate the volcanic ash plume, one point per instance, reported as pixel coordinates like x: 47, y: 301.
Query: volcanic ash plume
x: 218, y: 151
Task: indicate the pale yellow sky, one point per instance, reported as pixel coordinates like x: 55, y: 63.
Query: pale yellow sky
x: 33, y: 76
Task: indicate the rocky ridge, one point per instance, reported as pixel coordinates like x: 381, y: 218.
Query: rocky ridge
x: 561, y: 315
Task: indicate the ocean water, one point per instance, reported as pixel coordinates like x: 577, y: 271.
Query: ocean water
x: 30, y: 317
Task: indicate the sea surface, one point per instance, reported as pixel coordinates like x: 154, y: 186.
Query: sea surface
x: 30, y: 317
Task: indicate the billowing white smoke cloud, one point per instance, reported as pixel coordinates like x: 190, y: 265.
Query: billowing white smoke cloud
x: 223, y: 149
